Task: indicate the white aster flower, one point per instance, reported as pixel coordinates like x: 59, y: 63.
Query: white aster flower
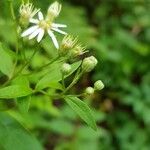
x: 53, y: 10
x: 27, y: 11
x: 41, y: 26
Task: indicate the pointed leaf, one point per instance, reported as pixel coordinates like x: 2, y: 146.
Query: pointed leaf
x: 82, y: 110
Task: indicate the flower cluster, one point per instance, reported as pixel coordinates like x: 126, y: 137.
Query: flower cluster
x: 42, y: 25
x: 98, y: 85
x: 69, y: 47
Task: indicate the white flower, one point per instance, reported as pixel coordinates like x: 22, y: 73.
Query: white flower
x: 54, y: 10
x: 41, y: 26
x: 27, y: 11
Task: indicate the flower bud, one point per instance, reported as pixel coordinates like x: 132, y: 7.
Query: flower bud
x: 66, y: 68
x: 27, y: 12
x: 89, y: 64
x: 89, y: 90
x: 98, y: 85
x: 68, y: 42
x: 53, y: 10
x: 77, y: 51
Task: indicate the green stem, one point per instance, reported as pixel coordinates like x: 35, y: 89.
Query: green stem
x: 44, y: 66
x: 17, y: 39
x: 21, y: 69
x: 45, y: 93
x: 27, y: 63
x: 75, y: 80
x: 63, y: 81
x: 78, y: 95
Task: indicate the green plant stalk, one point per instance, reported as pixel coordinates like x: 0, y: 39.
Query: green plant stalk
x: 44, y: 66
x: 75, y: 80
x: 21, y: 69
x: 63, y: 81
x: 17, y: 39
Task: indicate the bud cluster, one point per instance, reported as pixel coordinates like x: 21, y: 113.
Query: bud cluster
x: 98, y: 85
x: 71, y: 47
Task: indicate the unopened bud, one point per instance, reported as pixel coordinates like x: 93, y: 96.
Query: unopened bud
x: 68, y: 42
x: 98, y: 85
x: 66, y: 68
x: 53, y: 10
x: 89, y: 90
x: 89, y: 64
x: 77, y: 51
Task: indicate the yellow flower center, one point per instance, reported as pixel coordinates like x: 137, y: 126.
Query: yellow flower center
x: 44, y: 24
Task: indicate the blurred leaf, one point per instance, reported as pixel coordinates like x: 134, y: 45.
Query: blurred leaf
x: 14, y: 137
x: 82, y: 110
x: 6, y: 62
x: 14, y: 91
x: 24, y: 103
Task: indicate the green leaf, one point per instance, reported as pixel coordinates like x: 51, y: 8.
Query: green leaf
x: 54, y: 76
x: 15, y: 91
x: 24, y: 103
x: 21, y: 80
x: 6, y: 62
x: 82, y: 110
x: 14, y: 137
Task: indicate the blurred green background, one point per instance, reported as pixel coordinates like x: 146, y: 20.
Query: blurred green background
x: 117, y: 32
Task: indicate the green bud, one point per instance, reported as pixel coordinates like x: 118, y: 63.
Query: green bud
x: 53, y: 10
x: 98, y: 85
x: 89, y: 64
x: 67, y: 43
x: 89, y: 90
x: 77, y: 51
x: 66, y: 68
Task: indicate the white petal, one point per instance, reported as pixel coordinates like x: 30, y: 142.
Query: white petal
x: 58, y: 30
x: 56, y: 25
x: 36, y: 21
x: 34, y: 34
x: 51, y: 34
x: 40, y: 15
x: 40, y: 36
x: 29, y: 31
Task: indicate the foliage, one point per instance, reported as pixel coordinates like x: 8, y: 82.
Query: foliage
x: 118, y: 33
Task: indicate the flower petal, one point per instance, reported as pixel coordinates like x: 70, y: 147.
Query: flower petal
x: 29, y: 31
x: 35, y: 21
x: 34, y: 34
x: 51, y: 34
x: 40, y: 35
x: 56, y: 25
x: 40, y: 15
x: 58, y: 30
